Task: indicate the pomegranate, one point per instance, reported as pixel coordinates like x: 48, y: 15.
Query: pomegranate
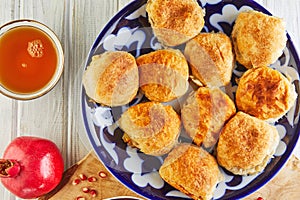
x: 31, y: 167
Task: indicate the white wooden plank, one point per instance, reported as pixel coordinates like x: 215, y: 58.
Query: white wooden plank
x: 123, y: 3
x: 288, y: 10
x: 8, y: 107
x: 57, y: 115
x: 7, y: 124
x: 46, y: 116
x: 87, y: 18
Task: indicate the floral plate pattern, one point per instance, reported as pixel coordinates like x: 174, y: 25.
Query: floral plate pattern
x: 130, y: 31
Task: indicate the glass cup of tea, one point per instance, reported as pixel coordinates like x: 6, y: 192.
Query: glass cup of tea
x: 31, y: 59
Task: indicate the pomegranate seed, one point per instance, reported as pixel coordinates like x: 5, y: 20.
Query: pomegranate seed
x: 103, y: 174
x: 82, y: 177
x: 76, y: 181
x: 85, y: 190
x: 92, y: 179
x: 260, y: 198
x: 93, y: 193
x: 80, y: 198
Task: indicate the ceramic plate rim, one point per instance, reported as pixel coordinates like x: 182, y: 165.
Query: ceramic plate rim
x: 134, y: 5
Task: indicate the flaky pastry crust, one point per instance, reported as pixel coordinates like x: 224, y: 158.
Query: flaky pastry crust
x: 151, y: 127
x: 112, y: 78
x: 192, y: 170
x: 163, y: 74
x: 265, y: 93
x: 246, y: 144
x: 204, y: 113
x: 175, y: 22
x: 211, y: 58
x: 258, y: 39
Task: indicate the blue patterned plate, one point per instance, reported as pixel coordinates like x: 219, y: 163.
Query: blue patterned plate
x: 130, y: 31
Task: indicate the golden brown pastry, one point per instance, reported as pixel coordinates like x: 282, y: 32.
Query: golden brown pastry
x: 163, y: 74
x: 191, y: 170
x: 265, y: 93
x: 211, y: 58
x: 175, y: 22
x: 204, y: 113
x: 258, y: 39
x: 246, y: 144
x: 112, y: 78
x: 151, y: 127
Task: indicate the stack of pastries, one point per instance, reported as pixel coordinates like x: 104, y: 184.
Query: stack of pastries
x: 236, y: 130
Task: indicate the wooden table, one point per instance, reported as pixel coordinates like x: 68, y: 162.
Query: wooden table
x: 57, y: 115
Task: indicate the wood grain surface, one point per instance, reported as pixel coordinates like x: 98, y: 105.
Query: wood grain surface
x: 106, y: 186
x: 57, y: 115
x: 285, y: 186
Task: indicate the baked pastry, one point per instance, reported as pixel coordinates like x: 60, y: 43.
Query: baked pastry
x: 175, y: 22
x: 112, y: 78
x: 265, y: 93
x: 258, y: 39
x: 192, y: 170
x: 204, y: 113
x: 211, y: 58
x: 163, y: 74
x: 246, y: 144
x: 151, y: 127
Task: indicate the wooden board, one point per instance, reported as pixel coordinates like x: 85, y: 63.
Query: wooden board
x: 284, y: 186
x: 90, y: 166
